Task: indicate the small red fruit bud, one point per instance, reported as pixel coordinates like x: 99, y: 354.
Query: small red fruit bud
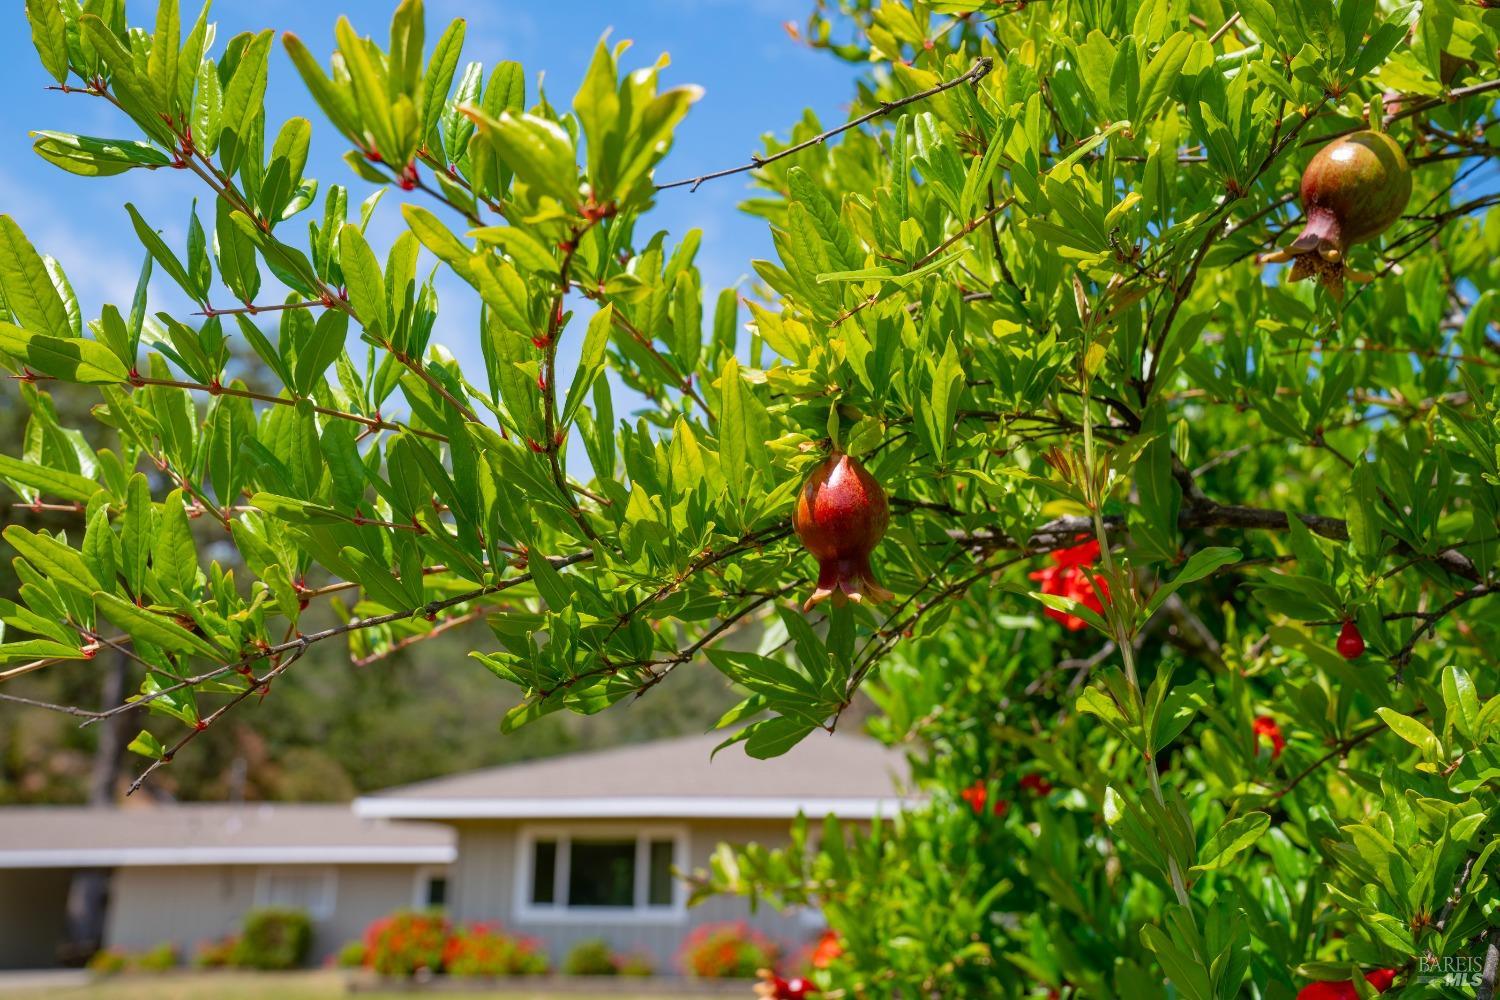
x: 1351, y: 644
x: 841, y: 516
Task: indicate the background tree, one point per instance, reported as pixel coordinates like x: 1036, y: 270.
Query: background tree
x: 1255, y: 713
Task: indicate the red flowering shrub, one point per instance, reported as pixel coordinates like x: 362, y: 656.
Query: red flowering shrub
x: 727, y: 951
x: 1068, y: 577
x: 217, y: 954
x: 405, y: 942
x: 485, y: 950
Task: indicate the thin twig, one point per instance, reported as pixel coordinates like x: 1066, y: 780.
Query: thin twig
x: 975, y: 73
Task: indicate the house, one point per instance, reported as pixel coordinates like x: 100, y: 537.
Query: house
x: 560, y: 849
x: 188, y: 873
x: 584, y: 845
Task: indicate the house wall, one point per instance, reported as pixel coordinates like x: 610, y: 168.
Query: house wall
x: 192, y: 904
x: 33, y: 916
x: 483, y: 888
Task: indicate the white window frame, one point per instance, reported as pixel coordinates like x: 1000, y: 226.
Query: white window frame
x: 327, y: 898
x: 426, y: 874
x: 560, y: 912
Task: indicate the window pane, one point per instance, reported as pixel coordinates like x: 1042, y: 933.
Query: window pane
x: 544, y: 872
x: 660, y: 890
x: 437, y: 891
x: 296, y: 890
x: 602, y: 873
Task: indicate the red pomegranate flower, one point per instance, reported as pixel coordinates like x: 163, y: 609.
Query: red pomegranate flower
x: 1036, y: 784
x: 1266, y: 726
x: 827, y: 950
x: 773, y: 987
x: 1069, y: 577
x: 976, y: 795
x: 1343, y: 989
x: 841, y: 516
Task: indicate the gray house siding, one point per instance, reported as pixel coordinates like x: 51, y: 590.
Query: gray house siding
x: 33, y: 915
x: 483, y: 888
x: 191, y: 905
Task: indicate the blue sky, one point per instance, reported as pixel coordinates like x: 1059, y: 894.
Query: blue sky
x: 755, y: 79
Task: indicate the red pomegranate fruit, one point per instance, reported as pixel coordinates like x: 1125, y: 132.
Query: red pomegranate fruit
x: 1352, y: 191
x: 1351, y: 644
x: 841, y: 516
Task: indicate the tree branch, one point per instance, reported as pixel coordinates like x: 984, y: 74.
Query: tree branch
x: 981, y: 67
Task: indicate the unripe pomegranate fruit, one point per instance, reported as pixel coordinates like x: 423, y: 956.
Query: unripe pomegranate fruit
x: 1351, y: 644
x: 841, y: 516
x: 1352, y: 191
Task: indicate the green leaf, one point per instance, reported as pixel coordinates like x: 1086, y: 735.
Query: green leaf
x: 1160, y: 75
x: 440, y: 69
x: 49, y: 33
x: 162, y: 253
x: 161, y: 63
x: 55, y: 560
x: 157, y: 629
x: 1462, y: 700
x: 236, y: 254
x: 90, y: 157
x: 335, y: 100
x: 774, y: 737
x: 147, y: 746
x: 590, y: 362
x: 174, y: 555
x: 244, y: 96
x: 136, y: 534
x: 322, y: 350
x: 743, y: 429
x: 1412, y: 731
x: 363, y: 279
x: 28, y: 288
x: 99, y: 549
x: 538, y: 151
x: 72, y: 360
x: 1203, y: 562
x: 1232, y: 838
x: 51, y: 482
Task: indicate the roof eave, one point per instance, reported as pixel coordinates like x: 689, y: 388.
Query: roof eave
x: 634, y: 807
x: 141, y: 857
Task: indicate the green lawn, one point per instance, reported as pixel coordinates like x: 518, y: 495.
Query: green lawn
x: 288, y: 986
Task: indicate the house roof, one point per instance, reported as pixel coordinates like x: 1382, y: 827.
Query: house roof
x: 194, y: 834
x: 849, y: 775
